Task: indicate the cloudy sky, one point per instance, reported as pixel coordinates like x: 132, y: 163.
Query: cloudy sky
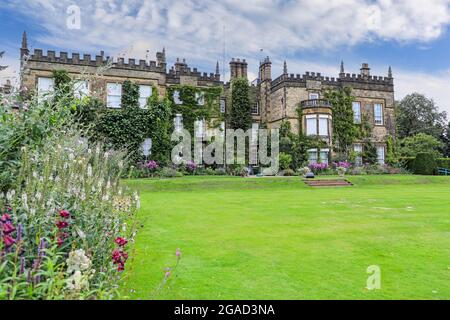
x: 410, y: 35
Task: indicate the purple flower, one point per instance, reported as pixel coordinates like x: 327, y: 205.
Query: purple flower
x: 151, y: 165
x: 191, y: 166
x: 319, y: 166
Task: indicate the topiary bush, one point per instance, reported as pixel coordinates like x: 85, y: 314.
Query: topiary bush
x: 424, y: 164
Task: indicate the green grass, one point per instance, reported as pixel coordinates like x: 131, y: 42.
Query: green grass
x: 275, y: 238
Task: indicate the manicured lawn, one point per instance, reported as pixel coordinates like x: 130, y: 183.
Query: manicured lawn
x: 275, y: 238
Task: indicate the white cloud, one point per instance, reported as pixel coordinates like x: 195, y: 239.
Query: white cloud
x: 194, y: 29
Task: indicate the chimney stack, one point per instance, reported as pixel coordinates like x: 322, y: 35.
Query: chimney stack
x: 365, y: 70
x: 238, y: 69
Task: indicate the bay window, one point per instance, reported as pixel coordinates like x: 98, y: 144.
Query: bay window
x: 311, y: 125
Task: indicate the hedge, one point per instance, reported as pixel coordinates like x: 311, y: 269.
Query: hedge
x: 424, y: 164
x: 443, y: 163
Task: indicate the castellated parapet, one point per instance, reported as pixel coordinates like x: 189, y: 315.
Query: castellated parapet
x: 355, y: 81
x: 99, y: 61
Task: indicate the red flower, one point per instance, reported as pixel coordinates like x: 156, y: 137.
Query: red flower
x: 121, y: 267
x: 121, y: 241
x: 8, y: 240
x: 62, y: 224
x: 60, y: 241
x: 8, y: 228
x: 5, y: 218
x: 64, y: 214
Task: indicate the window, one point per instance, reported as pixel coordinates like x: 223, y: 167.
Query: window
x: 311, y: 125
x: 312, y: 156
x: 357, y: 112
x: 81, y: 89
x: 114, y: 95
x: 178, y: 122
x: 200, y: 97
x: 223, y: 105
x: 45, y: 86
x: 313, y: 96
x: 378, y: 114
x: 323, y: 126
x: 145, y: 92
x: 324, y: 153
x: 255, y: 108
x: 358, y: 150
x: 380, y: 155
x: 176, y: 97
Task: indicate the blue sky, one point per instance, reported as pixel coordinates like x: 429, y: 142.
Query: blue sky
x: 411, y: 36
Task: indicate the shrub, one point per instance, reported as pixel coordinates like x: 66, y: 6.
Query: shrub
x: 221, y: 172
x: 424, y: 164
x: 285, y: 161
x: 288, y: 173
x: 170, y: 173
x: 443, y: 163
x: 72, y: 223
x: 341, y: 171
x: 318, y: 167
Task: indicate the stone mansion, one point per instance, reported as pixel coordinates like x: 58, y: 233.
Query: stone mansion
x: 276, y: 98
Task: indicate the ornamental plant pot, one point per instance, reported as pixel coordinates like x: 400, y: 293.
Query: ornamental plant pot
x: 310, y: 175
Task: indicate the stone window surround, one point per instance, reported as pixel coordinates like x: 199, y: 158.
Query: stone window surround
x: 318, y: 117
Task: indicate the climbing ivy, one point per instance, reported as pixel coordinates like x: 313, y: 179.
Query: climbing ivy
x: 190, y: 108
x: 240, y: 115
x: 344, y: 129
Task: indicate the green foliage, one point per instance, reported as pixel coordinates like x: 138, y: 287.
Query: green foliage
x: 1, y: 56
x: 446, y: 141
x: 285, y: 161
x: 443, y: 163
x: 420, y: 143
x: 240, y: 115
x: 296, y: 146
x: 28, y: 127
x: 424, y: 164
x: 128, y: 127
x: 391, y: 151
x: 344, y: 129
x: 369, y: 154
x: 66, y: 173
x: 190, y: 108
x: 418, y: 114
x: 130, y: 96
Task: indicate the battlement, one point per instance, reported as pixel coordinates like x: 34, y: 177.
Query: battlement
x: 98, y: 61
x: 353, y: 80
x: 182, y: 69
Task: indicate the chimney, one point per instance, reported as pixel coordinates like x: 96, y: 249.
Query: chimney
x: 238, y: 69
x: 365, y: 70
x: 265, y: 70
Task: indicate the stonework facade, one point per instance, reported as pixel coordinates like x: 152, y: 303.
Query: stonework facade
x: 275, y: 100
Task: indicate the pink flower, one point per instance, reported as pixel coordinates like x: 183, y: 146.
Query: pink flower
x: 8, y: 240
x: 121, y: 241
x: 178, y: 253
x: 8, y: 228
x: 5, y: 218
x: 64, y: 214
x: 167, y: 274
x: 60, y: 241
x: 62, y: 224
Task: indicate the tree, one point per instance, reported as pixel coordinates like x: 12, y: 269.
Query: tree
x: 447, y: 142
x: 240, y: 116
x: 418, y: 114
x: 344, y: 129
x: 420, y: 143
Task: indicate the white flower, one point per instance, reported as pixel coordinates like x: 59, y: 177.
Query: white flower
x: 106, y: 155
x: 38, y: 196
x: 35, y: 175
x: 77, y: 282
x: 71, y: 156
x: 89, y: 171
x: 78, y: 261
x: 25, y: 201
x: 120, y: 164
